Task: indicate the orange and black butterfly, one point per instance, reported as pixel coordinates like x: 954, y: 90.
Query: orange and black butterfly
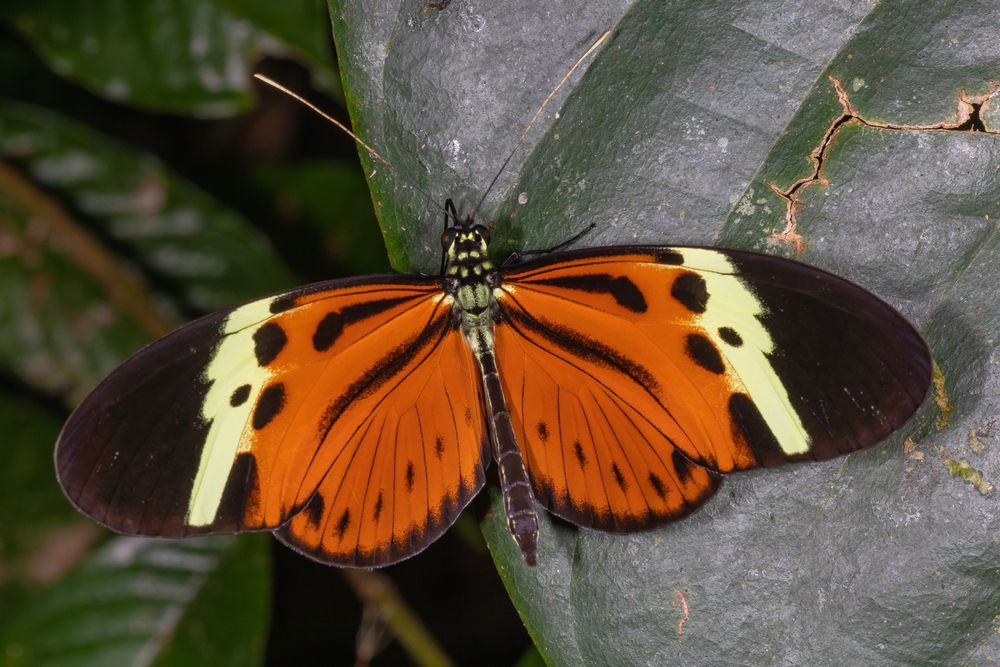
x: 615, y: 386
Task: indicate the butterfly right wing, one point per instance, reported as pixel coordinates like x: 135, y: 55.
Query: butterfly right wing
x: 635, y: 375
x: 234, y: 421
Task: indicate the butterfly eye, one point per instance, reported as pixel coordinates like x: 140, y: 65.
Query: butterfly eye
x: 448, y: 238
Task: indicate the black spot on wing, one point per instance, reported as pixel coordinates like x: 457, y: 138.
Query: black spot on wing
x: 282, y: 303
x: 619, y: 478
x: 657, y: 484
x: 731, y: 336
x: 703, y: 352
x: 239, y: 395
x: 241, y: 495
x: 328, y: 331
x: 749, y: 427
x: 410, y: 475
x: 270, y: 403
x: 543, y: 430
x: 268, y: 341
x: 332, y: 325
x: 681, y: 465
x: 343, y: 523
x: 314, y: 510
x: 668, y: 256
x: 621, y: 288
x: 378, y: 507
x: 468, y: 417
x: 690, y: 290
x: 438, y: 446
x: 578, y: 452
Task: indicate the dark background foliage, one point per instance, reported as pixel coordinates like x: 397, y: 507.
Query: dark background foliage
x: 144, y: 180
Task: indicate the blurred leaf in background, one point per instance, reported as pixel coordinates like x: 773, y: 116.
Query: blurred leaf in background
x: 141, y: 185
x: 138, y: 601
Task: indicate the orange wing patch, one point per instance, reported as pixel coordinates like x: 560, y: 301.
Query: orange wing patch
x: 414, y: 460
x: 593, y: 458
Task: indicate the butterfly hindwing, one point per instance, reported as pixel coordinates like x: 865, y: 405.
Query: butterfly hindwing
x: 636, y: 374
x: 234, y: 421
x: 407, y: 472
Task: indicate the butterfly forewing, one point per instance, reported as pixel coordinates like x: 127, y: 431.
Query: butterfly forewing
x: 636, y: 374
x: 234, y: 421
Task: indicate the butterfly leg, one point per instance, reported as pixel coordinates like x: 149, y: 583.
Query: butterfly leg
x: 518, y: 499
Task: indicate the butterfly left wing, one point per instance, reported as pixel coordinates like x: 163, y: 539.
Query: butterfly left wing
x: 635, y: 375
x: 234, y: 422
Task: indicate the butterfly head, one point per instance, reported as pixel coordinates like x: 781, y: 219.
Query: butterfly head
x: 465, y: 246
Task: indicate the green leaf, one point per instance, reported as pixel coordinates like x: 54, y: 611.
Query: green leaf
x: 80, y: 213
x: 71, y: 313
x: 41, y: 535
x: 150, y: 602
x: 673, y: 135
x: 177, y: 56
x: 302, y: 25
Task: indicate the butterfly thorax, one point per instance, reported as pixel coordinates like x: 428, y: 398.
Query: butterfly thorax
x: 471, y: 279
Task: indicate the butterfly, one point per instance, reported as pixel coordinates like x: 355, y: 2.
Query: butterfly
x: 614, y: 386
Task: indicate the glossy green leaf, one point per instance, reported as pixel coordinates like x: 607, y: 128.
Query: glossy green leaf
x: 302, y: 25
x: 141, y: 601
x: 674, y: 134
x: 178, y: 56
x: 70, y: 313
x: 86, y: 214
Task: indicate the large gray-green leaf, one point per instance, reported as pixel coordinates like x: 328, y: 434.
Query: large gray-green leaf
x: 141, y: 601
x: 179, y: 56
x: 676, y: 133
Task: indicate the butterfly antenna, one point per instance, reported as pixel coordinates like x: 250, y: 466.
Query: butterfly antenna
x: 371, y: 151
x: 545, y: 102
